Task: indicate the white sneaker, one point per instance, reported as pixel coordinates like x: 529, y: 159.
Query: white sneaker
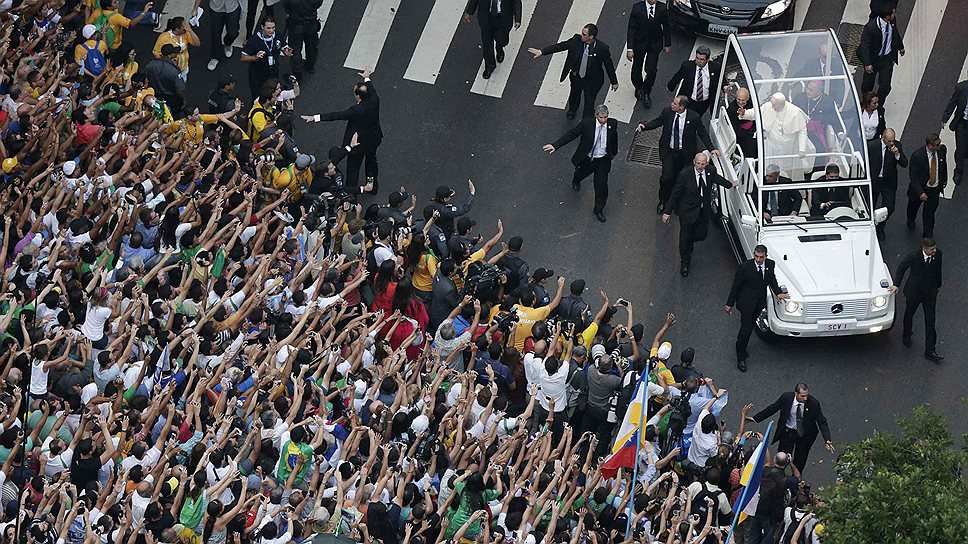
x: 228, y: 51
x: 212, y: 64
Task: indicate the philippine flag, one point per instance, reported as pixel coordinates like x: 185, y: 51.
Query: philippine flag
x: 630, y: 432
x: 750, y: 480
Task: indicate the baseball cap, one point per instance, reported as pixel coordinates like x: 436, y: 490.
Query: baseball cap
x: 304, y: 161
x: 396, y: 198
x: 515, y: 243
x: 9, y: 165
x: 227, y: 79
x: 170, y: 49
x: 464, y: 224
x: 69, y: 168
x: 444, y: 191
x: 597, y: 351
x: 542, y: 274
x: 687, y: 356
x: 88, y: 31
x: 578, y: 287
x: 665, y: 350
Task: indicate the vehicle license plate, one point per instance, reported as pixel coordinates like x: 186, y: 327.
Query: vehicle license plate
x: 836, y: 326
x: 722, y: 29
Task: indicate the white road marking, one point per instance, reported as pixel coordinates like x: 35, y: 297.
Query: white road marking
x: 554, y: 93
x: 371, y: 35
x: 621, y: 103
x: 435, y: 40
x: 499, y: 78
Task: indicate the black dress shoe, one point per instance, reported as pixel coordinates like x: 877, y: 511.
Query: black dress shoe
x: 684, y: 270
x: 933, y: 356
x: 639, y: 94
x: 741, y: 365
x: 575, y: 186
x: 486, y: 74
x: 906, y: 340
x: 500, y: 55
x: 660, y: 208
x: 647, y: 101
x: 570, y: 115
x: 600, y: 216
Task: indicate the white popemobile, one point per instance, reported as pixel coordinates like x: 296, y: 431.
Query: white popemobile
x: 807, y: 197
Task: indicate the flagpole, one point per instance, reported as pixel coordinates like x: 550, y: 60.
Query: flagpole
x: 639, y: 435
x: 742, y: 497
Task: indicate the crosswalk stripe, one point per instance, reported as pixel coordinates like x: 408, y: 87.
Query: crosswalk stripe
x: 922, y: 30
x: 435, y: 40
x: 802, y: 7
x: 621, y: 102
x: 323, y: 12
x: 499, y: 78
x: 856, y: 11
x: 371, y: 35
x: 554, y: 93
x: 177, y: 8
x: 948, y: 137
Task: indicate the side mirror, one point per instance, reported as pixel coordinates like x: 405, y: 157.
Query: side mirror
x: 880, y: 215
x: 748, y: 221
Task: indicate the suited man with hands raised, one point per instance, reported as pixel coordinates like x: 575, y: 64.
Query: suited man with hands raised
x: 799, y: 422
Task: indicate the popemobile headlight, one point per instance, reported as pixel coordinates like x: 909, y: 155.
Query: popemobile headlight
x: 879, y: 302
x: 776, y: 8
x: 684, y: 3
x: 792, y: 307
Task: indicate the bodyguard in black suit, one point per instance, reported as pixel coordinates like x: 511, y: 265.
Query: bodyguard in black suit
x: 495, y: 17
x: 748, y: 294
x: 957, y: 109
x: 885, y: 155
x: 588, y: 62
x: 597, y: 146
x: 649, y: 33
x: 928, y: 170
x: 363, y: 119
x: 691, y: 200
x: 880, y: 46
x: 680, y: 128
x: 797, y: 426
x: 699, y: 78
x: 921, y: 289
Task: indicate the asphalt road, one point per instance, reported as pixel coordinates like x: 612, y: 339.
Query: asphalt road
x: 444, y: 134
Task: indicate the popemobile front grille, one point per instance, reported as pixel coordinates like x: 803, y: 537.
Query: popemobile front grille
x: 857, y: 309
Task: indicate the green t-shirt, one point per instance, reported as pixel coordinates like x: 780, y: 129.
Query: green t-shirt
x: 465, y: 511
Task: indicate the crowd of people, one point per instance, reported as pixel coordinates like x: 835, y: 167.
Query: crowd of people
x: 206, y: 338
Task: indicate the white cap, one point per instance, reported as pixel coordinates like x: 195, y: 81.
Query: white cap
x: 453, y: 394
x: 247, y: 234
x: 360, y: 387
x: 344, y: 367
x: 665, y: 350
x: 69, y: 168
x: 778, y: 96
x: 88, y: 31
x: 420, y: 424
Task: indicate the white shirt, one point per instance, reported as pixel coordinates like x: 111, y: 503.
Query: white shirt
x: 38, y: 378
x: 792, y: 420
x: 925, y: 256
x: 885, y: 29
x: 532, y: 367
x: 704, y: 445
x: 598, y: 147
x: 382, y: 253
x: 553, y: 385
x: 869, y: 122
x: 702, y: 73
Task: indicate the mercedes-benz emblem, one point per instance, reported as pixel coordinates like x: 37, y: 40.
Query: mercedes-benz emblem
x: 726, y: 9
x: 836, y: 309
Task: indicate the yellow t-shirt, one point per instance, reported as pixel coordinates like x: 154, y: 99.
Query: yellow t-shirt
x: 168, y: 37
x: 661, y: 370
x: 257, y: 120
x: 587, y: 336
x: 423, y: 276
x: 115, y: 20
x: 194, y: 132
x: 291, y: 179
x: 80, y: 53
x: 129, y: 70
x: 527, y: 317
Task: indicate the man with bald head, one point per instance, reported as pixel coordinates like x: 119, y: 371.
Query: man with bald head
x: 885, y: 156
x: 691, y: 200
x: 743, y: 119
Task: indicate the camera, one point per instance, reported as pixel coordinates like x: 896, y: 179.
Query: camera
x: 506, y: 321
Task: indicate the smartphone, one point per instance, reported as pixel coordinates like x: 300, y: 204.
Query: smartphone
x: 622, y: 302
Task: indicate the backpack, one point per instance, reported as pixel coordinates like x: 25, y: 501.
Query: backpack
x: 791, y: 522
x: 700, y: 507
x: 371, y: 265
x: 251, y: 132
x: 772, y: 493
x: 573, y: 391
x: 94, y: 61
x: 105, y: 31
x: 625, y: 393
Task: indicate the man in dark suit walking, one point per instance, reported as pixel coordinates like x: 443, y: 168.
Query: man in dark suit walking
x: 957, y: 110
x: 597, y: 146
x: 649, y: 34
x: 928, y: 169
x: 748, y: 294
x: 680, y: 128
x: 691, y: 200
x: 588, y: 62
x: 885, y: 155
x: 496, y: 18
x: 797, y: 426
x: 879, y: 49
x: 921, y: 289
x: 364, y: 121
x: 699, y: 78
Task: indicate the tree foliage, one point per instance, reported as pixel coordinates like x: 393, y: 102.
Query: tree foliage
x: 902, y: 489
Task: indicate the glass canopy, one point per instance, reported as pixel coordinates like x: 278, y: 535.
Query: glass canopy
x: 804, y: 112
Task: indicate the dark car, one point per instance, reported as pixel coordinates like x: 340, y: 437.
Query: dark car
x: 720, y: 18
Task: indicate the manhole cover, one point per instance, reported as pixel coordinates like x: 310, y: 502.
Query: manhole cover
x: 849, y: 36
x: 645, y: 148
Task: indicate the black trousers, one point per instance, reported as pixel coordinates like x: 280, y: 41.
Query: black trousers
x: 600, y: 167
x: 583, y: 87
x: 795, y: 445
x: 229, y: 22
x: 252, y: 9
x: 699, y: 107
x: 887, y: 195
x: 747, y: 320
x: 690, y: 233
x: 299, y: 33
x: 258, y: 78
x: 961, y: 148
x: 928, y: 301
x: 596, y: 421
x: 930, y: 207
x: 883, y: 72
x: 650, y: 58
x: 672, y: 164
x: 367, y: 159
x: 495, y: 35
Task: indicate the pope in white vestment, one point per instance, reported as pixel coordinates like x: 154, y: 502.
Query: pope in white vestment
x: 785, y: 134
